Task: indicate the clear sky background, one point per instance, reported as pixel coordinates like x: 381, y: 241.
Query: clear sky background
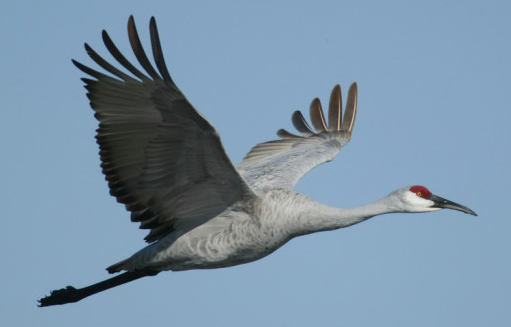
x: 434, y: 80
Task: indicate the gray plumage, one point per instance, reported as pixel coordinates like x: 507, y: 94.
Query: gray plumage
x: 165, y: 162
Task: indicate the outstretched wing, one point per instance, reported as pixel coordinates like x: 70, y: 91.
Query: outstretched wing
x: 283, y: 162
x: 161, y: 157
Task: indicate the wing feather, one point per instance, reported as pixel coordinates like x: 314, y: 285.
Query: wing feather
x: 335, y: 109
x: 285, y: 134
x: 300, y: 123
x: 351, y: 110
x: 162, y: 159
x: 159, y: 59
x: 114, y: 51
x: 281, y: 163
x: 317, y: 116
x: 138, y: 50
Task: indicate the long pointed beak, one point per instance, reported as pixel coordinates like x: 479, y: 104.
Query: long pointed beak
x: 444, y: 203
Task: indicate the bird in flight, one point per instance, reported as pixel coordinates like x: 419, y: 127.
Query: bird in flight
x: 165, y: 162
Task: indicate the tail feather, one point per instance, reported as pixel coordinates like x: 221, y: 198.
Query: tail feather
x: 117, y: 267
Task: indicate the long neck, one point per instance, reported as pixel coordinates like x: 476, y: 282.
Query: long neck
x: 314, y: 216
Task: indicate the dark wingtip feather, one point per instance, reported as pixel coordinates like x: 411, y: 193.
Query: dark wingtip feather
x: 286, y: 135
x: 138, y: 49
x: 300, y: 123
x: 89, y: 71
x: 104, y: 64
x: 351, y: 110
x: 114, y: 51
x: 317, y: 116
x: 157, y: 51
x: 335, y: 109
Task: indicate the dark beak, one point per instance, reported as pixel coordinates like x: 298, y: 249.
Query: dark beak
x: 443, y: 203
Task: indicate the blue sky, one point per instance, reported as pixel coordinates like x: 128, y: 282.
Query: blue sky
x: 433, y: 78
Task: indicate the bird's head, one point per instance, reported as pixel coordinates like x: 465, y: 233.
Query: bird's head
x: 419, y: 199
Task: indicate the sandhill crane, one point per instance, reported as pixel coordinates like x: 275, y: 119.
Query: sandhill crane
x: 164, y: 161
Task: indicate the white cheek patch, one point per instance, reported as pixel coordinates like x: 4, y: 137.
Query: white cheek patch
x: 418, y: 204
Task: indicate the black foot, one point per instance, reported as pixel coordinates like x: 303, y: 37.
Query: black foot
x: 62, y: 296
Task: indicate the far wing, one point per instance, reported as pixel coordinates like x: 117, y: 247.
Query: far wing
x: 282, y: 163
x: 162, y: 159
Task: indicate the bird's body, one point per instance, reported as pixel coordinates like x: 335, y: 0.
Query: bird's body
x: 164, y: 161
x: 245, y: 232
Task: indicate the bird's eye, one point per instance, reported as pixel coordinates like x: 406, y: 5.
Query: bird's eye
x: 420, y: 191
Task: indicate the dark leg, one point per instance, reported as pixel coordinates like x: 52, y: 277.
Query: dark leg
x: 71, y: 294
